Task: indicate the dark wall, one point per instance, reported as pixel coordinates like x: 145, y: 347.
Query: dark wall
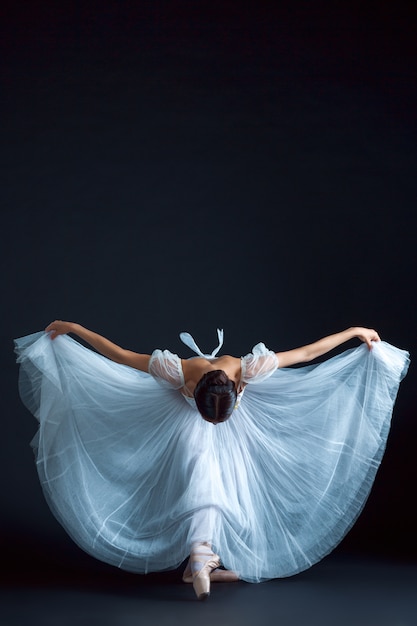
x: 178, y: 166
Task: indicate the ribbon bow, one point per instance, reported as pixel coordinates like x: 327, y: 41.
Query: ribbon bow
x: 189, y: 341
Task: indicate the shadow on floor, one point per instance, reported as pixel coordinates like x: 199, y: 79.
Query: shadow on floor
x: 338, y: 591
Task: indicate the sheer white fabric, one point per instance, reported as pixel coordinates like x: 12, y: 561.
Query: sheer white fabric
x: 259, y: 365
x: 134, y: 474
x: 166, y: 368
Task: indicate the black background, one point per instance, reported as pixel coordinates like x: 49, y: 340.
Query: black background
x: 174, y: 166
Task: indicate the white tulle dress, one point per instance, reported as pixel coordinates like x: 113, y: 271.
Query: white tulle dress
x: 134, y: 474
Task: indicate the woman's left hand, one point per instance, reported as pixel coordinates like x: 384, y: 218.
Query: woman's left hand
x: 59, y: 327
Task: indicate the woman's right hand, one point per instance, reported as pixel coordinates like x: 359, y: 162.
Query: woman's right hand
x: 59, y: 328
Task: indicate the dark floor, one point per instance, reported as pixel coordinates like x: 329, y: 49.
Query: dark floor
x: 340, y: 590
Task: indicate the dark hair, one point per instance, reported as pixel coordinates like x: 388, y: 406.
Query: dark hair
x: 215, y: 396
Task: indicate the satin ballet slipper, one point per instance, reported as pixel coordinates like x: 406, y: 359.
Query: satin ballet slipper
x: 218, y: 575
x: 202, y: 562
x: 223, y: 576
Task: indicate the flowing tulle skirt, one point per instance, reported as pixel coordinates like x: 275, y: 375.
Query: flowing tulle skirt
x: 134, y: 474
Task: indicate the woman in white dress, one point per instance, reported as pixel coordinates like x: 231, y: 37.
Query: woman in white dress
x: 132, y: 467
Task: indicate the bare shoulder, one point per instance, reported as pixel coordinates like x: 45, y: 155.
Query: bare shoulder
x: 193, y: 366
x: 231, y: 365
x: 228, y: 358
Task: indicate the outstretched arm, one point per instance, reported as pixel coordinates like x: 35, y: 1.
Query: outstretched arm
x: 101, y: 344
x: 316, y: 349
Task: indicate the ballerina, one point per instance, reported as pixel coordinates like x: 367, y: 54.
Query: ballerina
x: 139, y: 480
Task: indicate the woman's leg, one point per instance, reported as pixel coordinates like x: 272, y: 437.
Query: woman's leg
x: 203, y: 564
x: 203, y: 525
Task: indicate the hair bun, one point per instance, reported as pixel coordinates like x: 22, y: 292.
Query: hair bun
x: 215, y: 396
x: 217, y: 378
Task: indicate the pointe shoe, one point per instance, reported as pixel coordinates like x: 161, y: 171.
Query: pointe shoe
x: 201, y: 578
x: 223, y: 576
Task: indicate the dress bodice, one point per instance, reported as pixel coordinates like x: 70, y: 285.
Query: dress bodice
x: 166, y: 367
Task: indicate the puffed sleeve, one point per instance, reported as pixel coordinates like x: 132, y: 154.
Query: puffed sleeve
x: 166, y: 368
x: 259, y: 364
